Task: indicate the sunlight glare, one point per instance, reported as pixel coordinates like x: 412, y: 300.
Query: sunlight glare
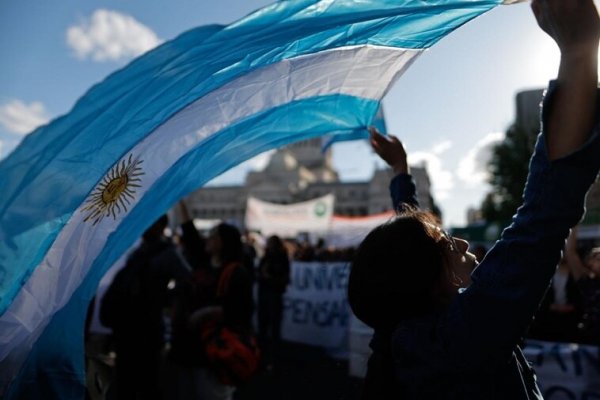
x: 544, y: 62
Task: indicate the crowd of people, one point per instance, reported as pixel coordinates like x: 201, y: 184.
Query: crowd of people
x: 174, y: 289
x: 307, y: 252
x: 159, y: 304
x: 173, y: 302
x: 570, y: 310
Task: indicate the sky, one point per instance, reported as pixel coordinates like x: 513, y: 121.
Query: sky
x: 449, y: 108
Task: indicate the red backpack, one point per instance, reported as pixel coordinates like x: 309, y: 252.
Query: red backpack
x: 234, y: 356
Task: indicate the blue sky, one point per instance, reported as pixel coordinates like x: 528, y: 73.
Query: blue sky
x: 448, y: 108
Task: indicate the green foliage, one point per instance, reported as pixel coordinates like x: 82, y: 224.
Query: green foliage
x: 508, y: 172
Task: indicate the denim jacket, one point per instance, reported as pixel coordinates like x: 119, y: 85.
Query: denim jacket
x: 470, y: 351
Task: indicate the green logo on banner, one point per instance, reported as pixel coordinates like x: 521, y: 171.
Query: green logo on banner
x: 320, y: 209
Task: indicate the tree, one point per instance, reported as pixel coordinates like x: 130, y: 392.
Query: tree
x: 508, y: 172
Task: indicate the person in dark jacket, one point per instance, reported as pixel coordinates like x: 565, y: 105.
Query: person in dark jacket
x: 441, y: 333
x: 274, y: 277
x: 561, y: 309
x: 133, y: 308
x: 212, y: 300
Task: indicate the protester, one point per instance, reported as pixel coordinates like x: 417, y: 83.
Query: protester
x: 193, y: 243
x: 304, y: 251
x: 205, y: 304
x: 434, y: 341
x: 561, y: 309
x: 249, y: 252
x: 133, y: 308
x: 186, y: 357
x: 274, y: 277
x: 586, y: 274
x: 589, y: 285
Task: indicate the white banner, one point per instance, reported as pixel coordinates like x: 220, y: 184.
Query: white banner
x: 316, y: 310
x: 566, y: 371
x: 290, y: 219
x: 350, y: 231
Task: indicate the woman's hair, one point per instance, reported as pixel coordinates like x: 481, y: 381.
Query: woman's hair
x: 274, y: 246
x: 231, y: 243
x: 396, y: 270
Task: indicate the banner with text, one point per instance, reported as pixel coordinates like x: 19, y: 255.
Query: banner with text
x: 316, y: 310
x: 288, y: 220
x: 566, y: 371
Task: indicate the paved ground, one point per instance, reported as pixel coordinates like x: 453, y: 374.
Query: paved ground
x: 304, y: 373
x: 299, y: 372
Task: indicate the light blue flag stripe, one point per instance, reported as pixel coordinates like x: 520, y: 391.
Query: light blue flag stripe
x: 357, y: 134
x: 54, y: 170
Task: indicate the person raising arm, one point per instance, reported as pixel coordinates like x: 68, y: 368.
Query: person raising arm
x: 434, y: 341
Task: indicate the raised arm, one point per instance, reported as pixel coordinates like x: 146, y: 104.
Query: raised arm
x: 191, y: 238
x: 391, y: 150
x: 575, y: 27
x: 490, y: 317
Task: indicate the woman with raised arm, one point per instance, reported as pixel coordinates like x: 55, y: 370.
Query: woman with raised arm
x: 440, y: 333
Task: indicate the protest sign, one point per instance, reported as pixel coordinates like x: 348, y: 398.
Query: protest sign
x: 566, y: 371
x: 316, y: 310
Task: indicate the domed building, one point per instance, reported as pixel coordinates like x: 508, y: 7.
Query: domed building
x: 301, y: 172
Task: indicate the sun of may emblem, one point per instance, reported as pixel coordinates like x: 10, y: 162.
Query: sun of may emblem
x: 115, y: 192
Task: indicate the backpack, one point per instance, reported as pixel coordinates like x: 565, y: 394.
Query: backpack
x: 233, y: 355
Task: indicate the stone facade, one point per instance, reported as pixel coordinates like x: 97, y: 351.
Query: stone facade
x: 298, y: 173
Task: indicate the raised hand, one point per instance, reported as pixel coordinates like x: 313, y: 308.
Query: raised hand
x: 390, y: 150
x: 573, y: 24
x: 575, y: 27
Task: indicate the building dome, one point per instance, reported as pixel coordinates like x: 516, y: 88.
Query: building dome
x: 282, y: 161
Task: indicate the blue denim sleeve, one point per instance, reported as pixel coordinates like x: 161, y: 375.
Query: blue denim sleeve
x: 403, y: 191
x: 489, y: 318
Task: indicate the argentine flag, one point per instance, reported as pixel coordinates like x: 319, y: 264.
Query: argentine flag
x: 79, y: 191
x: 331, y: 138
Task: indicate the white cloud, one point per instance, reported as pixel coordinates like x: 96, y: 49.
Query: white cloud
x: 472, y: 169
x: 442, y: 180
x: 21, y: 118
x: 110, y: 35
x: 441, y: 147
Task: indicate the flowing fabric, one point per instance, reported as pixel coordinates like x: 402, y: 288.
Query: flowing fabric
x: 79, y: 191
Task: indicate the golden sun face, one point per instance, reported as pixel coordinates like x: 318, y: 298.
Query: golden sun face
x: 115, y: 192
